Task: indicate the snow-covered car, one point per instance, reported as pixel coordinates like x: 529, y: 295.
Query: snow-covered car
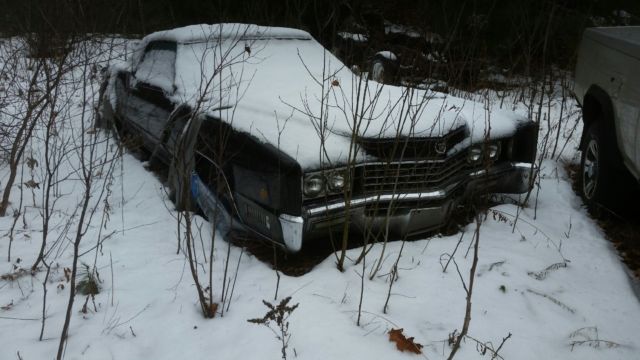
x: 279, y: 138
x: 392, y: 53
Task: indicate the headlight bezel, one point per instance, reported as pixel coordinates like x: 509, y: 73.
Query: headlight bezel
x: 489, y: 151
x: 493, y: 150
x: 336, y: 181
x: 474, y: 155
x: 313, y: 180
x: 330, y: 180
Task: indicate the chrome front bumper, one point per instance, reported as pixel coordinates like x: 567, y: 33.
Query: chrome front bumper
x: 432, y: 210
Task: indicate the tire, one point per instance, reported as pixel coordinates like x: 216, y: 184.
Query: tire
x: 378, y: 71
x: 602, y: 180
x: 383, y: 69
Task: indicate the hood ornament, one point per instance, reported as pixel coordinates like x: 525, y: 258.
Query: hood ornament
x: 441, y: 147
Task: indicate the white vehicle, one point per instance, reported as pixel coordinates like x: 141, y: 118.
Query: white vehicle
x: 608, y: 87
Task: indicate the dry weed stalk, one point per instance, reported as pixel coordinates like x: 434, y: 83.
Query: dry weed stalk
x: 278, y: 314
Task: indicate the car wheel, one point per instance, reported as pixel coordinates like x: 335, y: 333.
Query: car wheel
x: 590, y: 169
x: 384, y: 67
x: 601, y: 182
x: 378, y: 71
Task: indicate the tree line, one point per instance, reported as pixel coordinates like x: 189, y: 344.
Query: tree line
x: 500, y: 31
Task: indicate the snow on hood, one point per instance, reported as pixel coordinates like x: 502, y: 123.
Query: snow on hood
x: 286, y: 89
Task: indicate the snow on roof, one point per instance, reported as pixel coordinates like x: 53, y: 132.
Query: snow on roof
x: 205, y: 32
x: 217, y: 33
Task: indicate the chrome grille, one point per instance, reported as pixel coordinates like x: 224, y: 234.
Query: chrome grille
x: 399, y: 177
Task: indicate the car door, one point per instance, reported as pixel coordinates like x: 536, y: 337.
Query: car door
x: 636, y: 170
x: 633, y: 93
x: 148, y: 106
x: 627, y: 102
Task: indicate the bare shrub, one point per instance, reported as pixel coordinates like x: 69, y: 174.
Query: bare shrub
x: 278, y: 315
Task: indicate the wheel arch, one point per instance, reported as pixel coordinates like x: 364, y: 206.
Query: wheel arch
x: 598, y: 107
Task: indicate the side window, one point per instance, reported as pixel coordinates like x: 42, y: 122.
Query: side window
x: 158, y: 65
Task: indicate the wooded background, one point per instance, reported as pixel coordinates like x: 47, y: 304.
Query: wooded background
x: 503, y: 31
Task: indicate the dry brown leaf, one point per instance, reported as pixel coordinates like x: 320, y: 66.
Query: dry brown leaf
x: 403, y: 343
x: 335, y: 82
x: 213, y: 308
x: 32, y: 184
x: 8, y: 306
x: 67, y: 274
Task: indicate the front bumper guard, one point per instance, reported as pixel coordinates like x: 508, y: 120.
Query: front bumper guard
x: 292, y: 231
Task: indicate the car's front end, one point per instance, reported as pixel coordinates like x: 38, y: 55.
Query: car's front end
x: 402, y: 197
x: 395, y: 196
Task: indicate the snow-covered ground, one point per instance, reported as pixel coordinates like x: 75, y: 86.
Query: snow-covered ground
x: 551, y: 280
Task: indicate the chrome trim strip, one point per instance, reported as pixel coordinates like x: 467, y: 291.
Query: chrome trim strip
x: 503, y: 167
x: 478, y: 173
x: 525, y: 165
x: 431, y: 195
